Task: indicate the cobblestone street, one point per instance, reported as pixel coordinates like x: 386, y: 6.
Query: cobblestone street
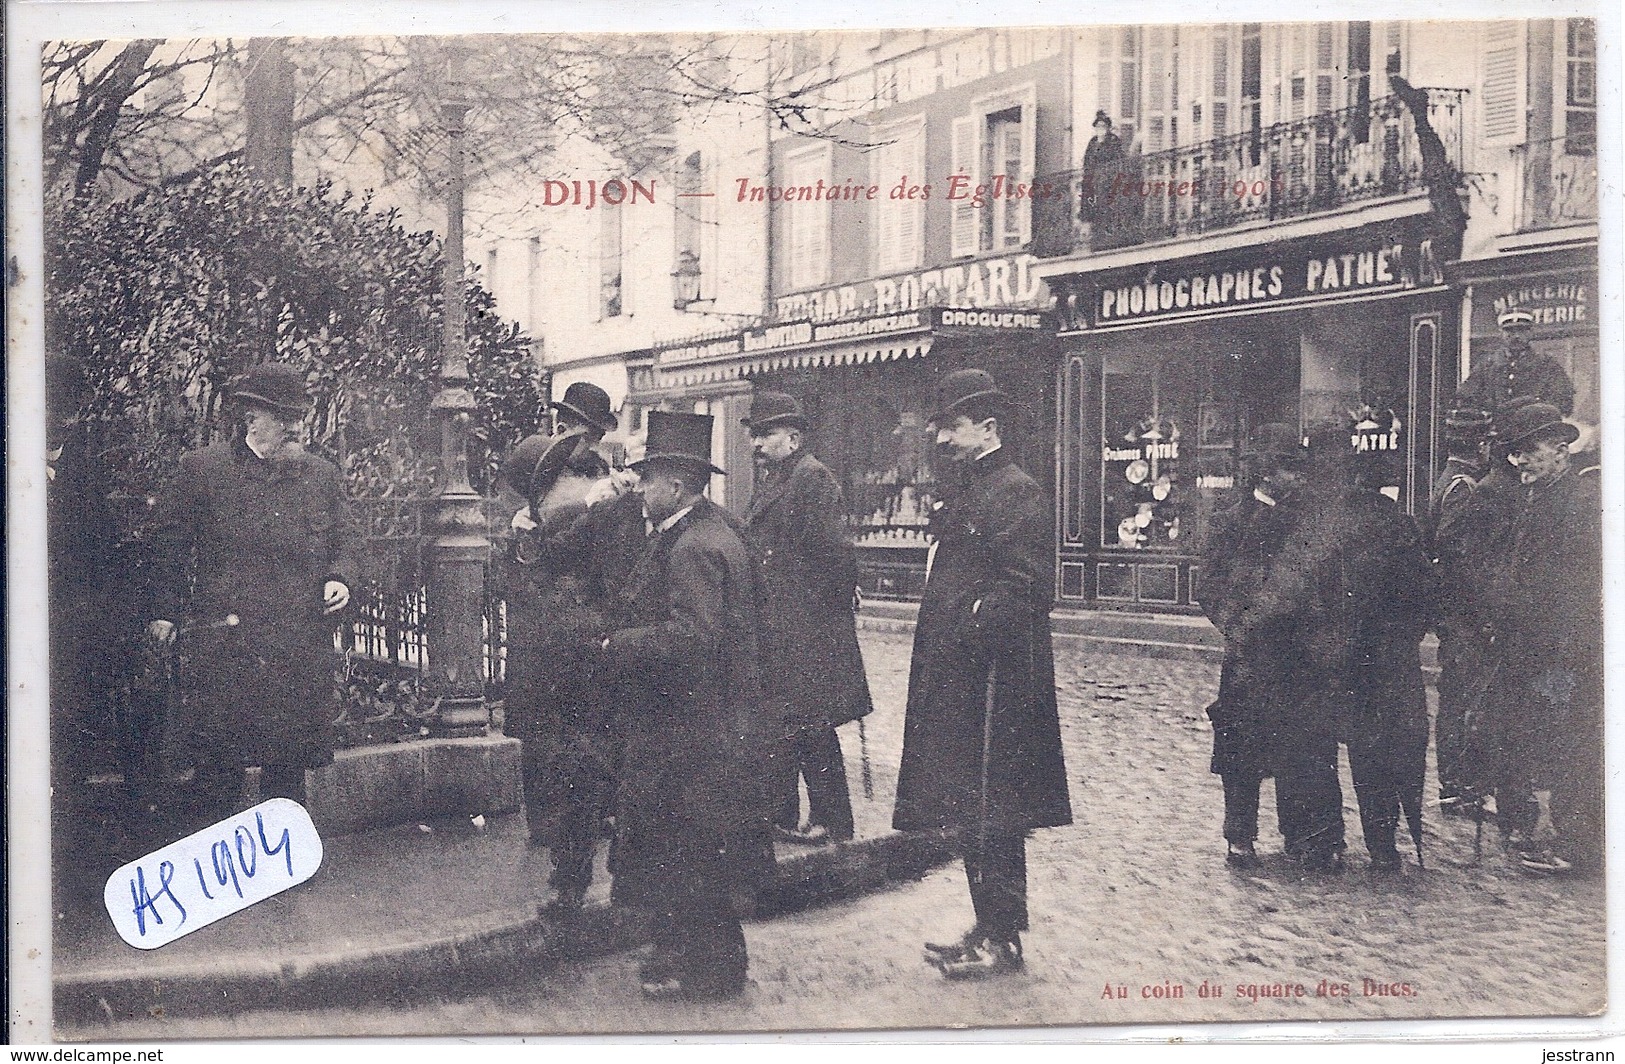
x: 1134, y: 910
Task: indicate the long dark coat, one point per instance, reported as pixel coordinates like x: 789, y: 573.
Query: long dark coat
x: 981, y: 738
x: 267, y: 535
x: 814, y: 671
x: 1260, y: 681
x: 695, y: 739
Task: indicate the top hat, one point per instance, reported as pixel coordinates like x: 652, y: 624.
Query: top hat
x: 771, y: 409
x: 1531, y: 421
x: 276, y: 386
x: 590, y: 403
x: 683, y: 440
x: 536, y: 461
x: 1275, y: 439
x: 964, y: 389
x: 1515, y: 319
x: 1102, y: 117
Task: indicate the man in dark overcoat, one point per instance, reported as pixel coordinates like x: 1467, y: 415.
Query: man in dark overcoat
x: 1515, y: 371
x: 268, y: 525
x: 555, y: 700
x: 814, y: 671
x: 1242, y: 546
x: 981, y: 738
x: 683, y: 647
x: 1546, y: 610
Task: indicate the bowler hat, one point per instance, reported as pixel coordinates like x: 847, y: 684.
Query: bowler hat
x: 966, y: 389
x: 771, y: 409
x: 1531, y: 421
x: 683, y: 440
x: 590, y: 403
x: 276, y: 386
x: 536, y: 461
x: 1275, y: 439
x: 1515, y: 319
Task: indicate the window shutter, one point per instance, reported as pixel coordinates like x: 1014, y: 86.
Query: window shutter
x: 1504, y: 83
x: 1029, y: 163
x: 966, y: 155
x: 897, y: 222
x: 809, y: 223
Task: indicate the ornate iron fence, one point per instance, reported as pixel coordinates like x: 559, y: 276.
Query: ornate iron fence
x: 1557, y: 182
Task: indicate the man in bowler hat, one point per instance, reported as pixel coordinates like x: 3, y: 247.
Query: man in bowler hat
x: 981, y: 735
x: 268, y: 524
x: 814, y: 671
x: 683, y: 646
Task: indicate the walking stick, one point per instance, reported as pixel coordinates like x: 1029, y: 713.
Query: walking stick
x: 863, y: 752
x: 989, y: 693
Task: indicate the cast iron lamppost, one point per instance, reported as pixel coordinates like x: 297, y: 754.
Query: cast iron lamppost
x: 459, y: 548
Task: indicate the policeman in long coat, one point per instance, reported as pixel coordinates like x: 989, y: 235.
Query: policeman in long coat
x: 268, y: 524
x: 1515, y: 371
x: 1257, y: 680
x: 683, y: 648
x: 981, y: 738
x: 814, y: 670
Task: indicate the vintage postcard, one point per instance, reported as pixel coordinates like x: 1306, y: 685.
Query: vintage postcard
x: 614, y: 528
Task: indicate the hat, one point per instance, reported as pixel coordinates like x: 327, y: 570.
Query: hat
x: 276, y: 386
x: 536, y: 461
x: 1515, y: 319
x: 1102, y: 117
x: 682, y: 440
x: 590, y: 403
x: 963, y: 389
x: 771, y: 409
x: 1525, y: 423
x: 1275, y: 439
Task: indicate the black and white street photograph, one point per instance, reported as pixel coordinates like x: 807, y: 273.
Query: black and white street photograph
x: 667, y: 530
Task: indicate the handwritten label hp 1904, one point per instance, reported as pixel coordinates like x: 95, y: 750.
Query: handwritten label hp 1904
x: 213, y: 873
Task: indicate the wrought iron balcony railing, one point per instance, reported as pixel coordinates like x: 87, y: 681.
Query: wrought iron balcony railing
x: 1556, y: 183
x: 1291, y: 169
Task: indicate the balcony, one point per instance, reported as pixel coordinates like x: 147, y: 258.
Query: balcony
x: 1556, y: 183
x: 1322, y: 163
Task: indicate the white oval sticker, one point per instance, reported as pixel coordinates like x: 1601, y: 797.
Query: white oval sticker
x: 213, y: 873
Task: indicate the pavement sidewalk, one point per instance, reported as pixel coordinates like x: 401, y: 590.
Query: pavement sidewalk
x: 445, y: 905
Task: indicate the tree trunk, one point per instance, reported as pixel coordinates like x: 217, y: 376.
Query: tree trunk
x: 117, y: 85
x: 268, y: 101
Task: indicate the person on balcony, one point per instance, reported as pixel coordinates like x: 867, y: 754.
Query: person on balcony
x: 269, y: 527
x: 981, y: 733
x: 814, y: 671
x: 1105, y: 198
x: 1515, y: 371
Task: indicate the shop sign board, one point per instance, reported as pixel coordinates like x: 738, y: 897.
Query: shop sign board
x: 984, y: 284
x: 1259, y: 278
x: 788, y: 336
x: 1560, y: 300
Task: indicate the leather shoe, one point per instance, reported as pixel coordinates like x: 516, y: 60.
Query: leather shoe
x: 1241, y: 855
x: 807, y: 834
x: 937, y: 952
x: 985, y: 960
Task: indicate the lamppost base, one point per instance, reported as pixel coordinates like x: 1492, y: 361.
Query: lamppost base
x: 461, y: 718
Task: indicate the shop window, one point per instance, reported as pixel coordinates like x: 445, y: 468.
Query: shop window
x: 900, y: 158
x: 808, y: 220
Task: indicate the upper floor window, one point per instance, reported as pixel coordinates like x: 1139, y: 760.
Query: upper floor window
x: 898, y: 160
x: 807, y: 219
x: 1580, y: 88
x: 610, y: 264
x: 694, y: 231
x: 993, y: 152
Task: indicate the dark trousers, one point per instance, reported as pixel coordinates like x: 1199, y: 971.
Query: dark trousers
x: 996, y: 869
x: 567, y: 795
x: 813, y: 753
x: 219, y: 789
x: 1376, y: 788
x: 1241, y: 808
x: 1308, y: 796
x: 697, y: 935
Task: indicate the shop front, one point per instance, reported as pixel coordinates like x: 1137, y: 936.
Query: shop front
x: 1165, y: 369
x: 867, y: 381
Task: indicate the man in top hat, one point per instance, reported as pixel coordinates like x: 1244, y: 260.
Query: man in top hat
x: 1516, y: 370
x: 683, y: 645
x: 268, y: 524
x: 1102, y: 194
x: 1257, y: 679
x: 981, y: 736
x: 814, y: 671
x: 1546, y: 612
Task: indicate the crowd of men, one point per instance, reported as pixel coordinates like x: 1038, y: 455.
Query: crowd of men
x: 675, y: 673
x: 1323, y: 589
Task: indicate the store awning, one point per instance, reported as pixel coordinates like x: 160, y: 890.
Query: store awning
x: 849, y: 354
